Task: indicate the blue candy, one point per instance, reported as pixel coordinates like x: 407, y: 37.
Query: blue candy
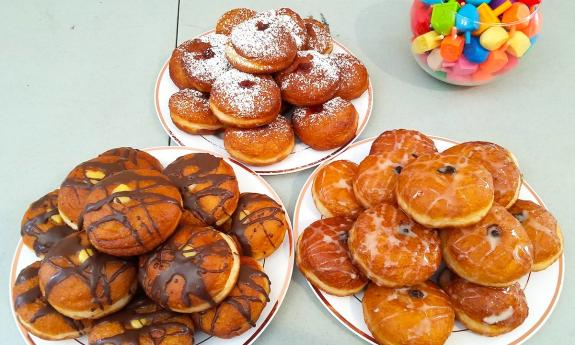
x: 478, y: 2
x: 432, y: 2
x: 467, y: 20
x: 474, y: 52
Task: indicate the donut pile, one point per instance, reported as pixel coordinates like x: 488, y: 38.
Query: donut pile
x: 389, y: 223
x: 131, y: 252
x: 264, y: 79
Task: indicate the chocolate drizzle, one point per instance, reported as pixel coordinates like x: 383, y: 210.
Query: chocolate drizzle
x: 44, y: 232
x: 135, y: 157
x: 157, y: 334
x: 205, y: 173
x: 187, y: 262
x: 142, y: 195
x: 255, y: 220
x: 92, y: 271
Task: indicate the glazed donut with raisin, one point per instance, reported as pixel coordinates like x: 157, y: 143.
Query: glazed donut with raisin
x: 132, y: 212
x: 197, y: 63
x: 259, y: 224
x: 322, y: 256
x: 242, y: 308
x: 42, y: 226
x: 312, y: 79
x: 391, y: 249
x: 261, y: 45
x: 190, y: 111
x: 354, y: 79
x: 332, y: 190
x: 414, y: 142
x: 421, y: 314
x: 244, y: 100
x: 229, y: 20
x: 82, y: 283
x: 485, y: 310
x: 445, y: 190
x: 263, y: 145
x: 318, y: 36
x: 499, y: 162
x: 193, y: 270
x: 36, y: 315
x: 543, y: 231
x: 327, y: 126
x: 494, y: 252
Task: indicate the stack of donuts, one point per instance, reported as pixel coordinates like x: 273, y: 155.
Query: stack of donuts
x: 265, y: 78
x: 130, y: 252
x: 432, y: 237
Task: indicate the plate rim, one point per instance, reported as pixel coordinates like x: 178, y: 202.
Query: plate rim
x: 292, y: 235
x: 369, y: 338
x: 359, y: 131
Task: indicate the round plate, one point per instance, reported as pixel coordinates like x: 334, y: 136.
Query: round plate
x: 542, y: 289
x: 278, y: 266
x: 302, y: 157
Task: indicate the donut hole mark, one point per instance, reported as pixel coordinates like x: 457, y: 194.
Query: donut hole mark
x: 405, y: 230
x: 206, y: 54
x: 494, y: 231
x: 315, y: 109
x: 447, y: 170
x: 398, y: 169
x: 261, y: 26
x: 521, y: 216
x: 247, y: 84
x: 415, y: 293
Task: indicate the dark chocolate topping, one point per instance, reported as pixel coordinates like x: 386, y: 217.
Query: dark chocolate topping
x: 157, y: 333
x: 134, y: 156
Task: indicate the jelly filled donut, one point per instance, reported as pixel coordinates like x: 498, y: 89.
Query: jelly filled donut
x: 445, y: 190
x: 312, y: 79
x: 261, y: 45
x: 242, y: 308
x: 322, y: 256
x: 190, y: 111
x: 143, y: 322
x: 229, y: 20
x: 82, y: 283
x: 543, y: 230
x: 79, y: 182
x: 377, y: 175
x: 194, y: 270
x: 494, y: 252
x: 318, y: 36
x: 263, y: 145
x: 208, y: 185
x: 36, y: 315
x: 332, y: 189
x: 136, y: 159
x: 42, y: 226
x: 421, y: 314
x: 485, y: 310
x: 244, y: 100
x: 197, y: 63
x: 414, y: 142
x: 391, y: 249
x: 132, y: 212
x: 327, y: 126
x: 499, y: 162
x: 354, y: 79
x: 259, y: 224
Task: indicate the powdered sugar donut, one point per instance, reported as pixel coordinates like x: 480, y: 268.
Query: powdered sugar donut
x: 332, y: 190
x: 311, y: 79
x: 391, y: 249
x: 244, y: 100
x: 326, y: 126
x: 190, y: 112
x: 291, y: 22
x: 261, y: 45
x: 318, y: 36
x: 263, y: 145
x: 232, y: 18
x: 322, y: 257
x: 197, y: 63
x: 416, y: 143
x: 354, y: 79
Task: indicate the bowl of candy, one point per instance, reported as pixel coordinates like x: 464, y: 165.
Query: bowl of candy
x: 473, y: 42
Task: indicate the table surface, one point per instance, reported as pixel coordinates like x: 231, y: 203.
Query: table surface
x: 78, y: 78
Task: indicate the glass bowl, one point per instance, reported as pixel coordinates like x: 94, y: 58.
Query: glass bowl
x: 473, y: 42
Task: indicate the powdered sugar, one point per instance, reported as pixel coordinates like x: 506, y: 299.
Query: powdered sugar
x: 278, y: 129
x: 209, y: 63
x: 190, y: 99
x: 320, y: 72
x: 316, y: 114
x: 283, y: 18
x: 318, y: 36
x: 262, y: 37
x: 245, y: 93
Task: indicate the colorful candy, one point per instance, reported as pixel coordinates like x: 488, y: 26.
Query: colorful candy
x: 470, y: 42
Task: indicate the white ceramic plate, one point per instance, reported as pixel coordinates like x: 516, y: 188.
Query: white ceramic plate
x: 542, y: 289
x: 302, y: 157
x: 278, y: 266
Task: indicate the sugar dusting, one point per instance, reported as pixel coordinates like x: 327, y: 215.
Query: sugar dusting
x: 190, y: 99
x: 318, y: 114
x: 297, y: 32
x: 261, y: 37
x: 207, y: 65
x: 322, y: 73
x: 319, y: 38
x: 277, y: 130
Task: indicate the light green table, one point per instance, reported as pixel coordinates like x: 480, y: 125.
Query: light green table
x: 77, y: 77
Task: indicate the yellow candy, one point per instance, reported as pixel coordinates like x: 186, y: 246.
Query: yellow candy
x: 488, y: 16
x: 518, y: 43
x: 426, y: 42
x: 494, y: 38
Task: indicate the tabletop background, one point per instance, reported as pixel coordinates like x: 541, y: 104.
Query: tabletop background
x: 77, y: 77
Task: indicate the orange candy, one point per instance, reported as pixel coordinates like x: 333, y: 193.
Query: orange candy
x: 534, y: 25
x: 481, y: 75
x: 495, y: 61
x: 518, y: 12
x: 452, y: 47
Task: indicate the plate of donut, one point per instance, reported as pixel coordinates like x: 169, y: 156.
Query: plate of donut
x: 161, y: 245
x: 410, y: 239
x: 269, y: 89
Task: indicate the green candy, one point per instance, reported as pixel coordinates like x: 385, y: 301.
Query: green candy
x: 443, y: 17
